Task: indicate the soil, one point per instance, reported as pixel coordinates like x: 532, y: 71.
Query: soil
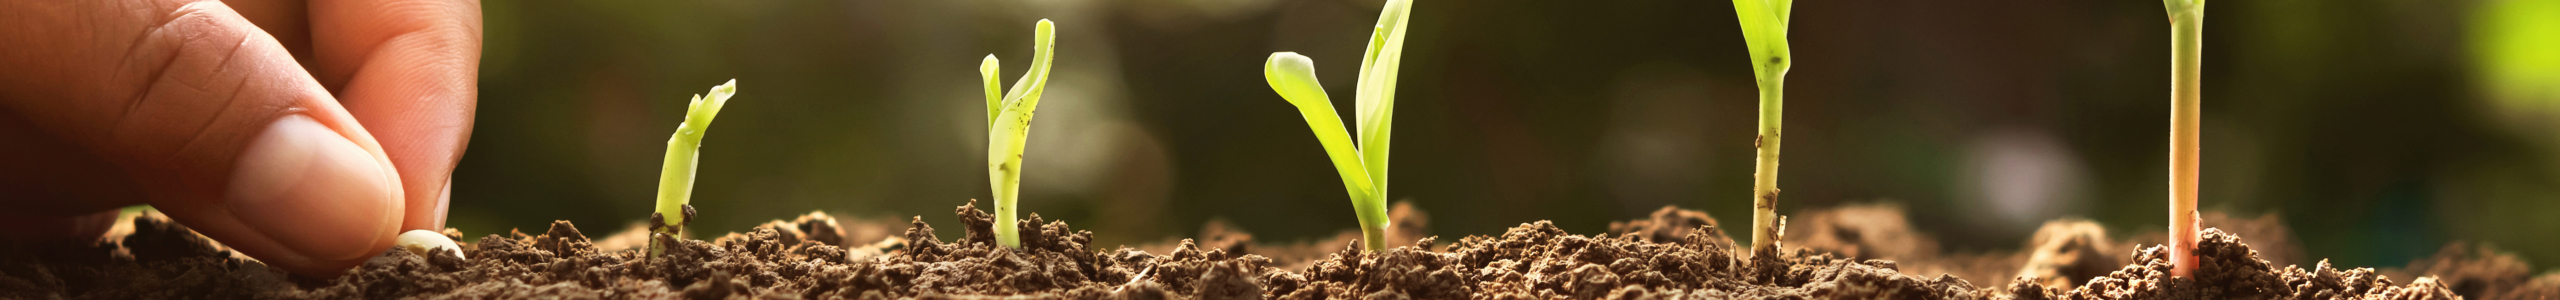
x: 1845, y: 253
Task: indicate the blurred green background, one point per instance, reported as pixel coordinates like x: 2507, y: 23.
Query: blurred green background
x: 2379, y: 129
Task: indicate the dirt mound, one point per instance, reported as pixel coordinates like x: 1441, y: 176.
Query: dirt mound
x: 778, y: 260
x: 1673, y: 254
x: 2228, y: 269
x: 1538, y: 260
x: 1410, y: 224
x: 152, y: 258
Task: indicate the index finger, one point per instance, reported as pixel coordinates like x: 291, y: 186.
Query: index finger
x: 408, y: 70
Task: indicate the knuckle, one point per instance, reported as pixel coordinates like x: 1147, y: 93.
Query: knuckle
x: 200, y: 84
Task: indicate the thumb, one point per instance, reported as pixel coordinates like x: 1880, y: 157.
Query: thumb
x: 211, y: 118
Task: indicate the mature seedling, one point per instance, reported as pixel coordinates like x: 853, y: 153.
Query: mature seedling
x: 1009, y: 124
x: 2186, y: 59
x: 1764, y: 29
x: 1363, y: 167
x: 675, y: 181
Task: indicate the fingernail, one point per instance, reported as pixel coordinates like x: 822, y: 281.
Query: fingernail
x: 313, y: 191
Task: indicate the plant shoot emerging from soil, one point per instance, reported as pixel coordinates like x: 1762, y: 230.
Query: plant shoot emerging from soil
x: 2186, y: 59
x: 1009, y: 124
x: 1363, y: 167
x: 675, y: 182
x: 1764, y: 29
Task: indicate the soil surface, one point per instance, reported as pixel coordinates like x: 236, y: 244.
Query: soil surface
x: 1673, y: 254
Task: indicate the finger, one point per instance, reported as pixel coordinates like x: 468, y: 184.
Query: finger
x: 211, y: 117
x: 408, y: 69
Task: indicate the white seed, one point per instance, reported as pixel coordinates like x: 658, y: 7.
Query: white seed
x: 421, y: 241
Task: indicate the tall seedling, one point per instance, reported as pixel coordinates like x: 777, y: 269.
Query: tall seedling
x: 1009, y: 124
x: 1363, y: 167
x: 1764, y: 29
x: 2186, y: 59
x: 675, y: 181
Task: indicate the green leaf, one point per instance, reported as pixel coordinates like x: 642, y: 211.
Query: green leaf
x: 1785, y: 10
x: 1764, y: 31
x: 1294, y: 77
x: 707, y: 106
x: 675, y: 176
x: 1376, y: 96
x: 987, y: 72
x: 1026, y: 91
x: 2178, y: 7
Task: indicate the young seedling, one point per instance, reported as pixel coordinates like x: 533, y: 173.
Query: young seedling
x: 1009, y: 124
x: 1363, y: 167
x: 2186, y: 59
x: 675, y: 181
x: 1764, y: 30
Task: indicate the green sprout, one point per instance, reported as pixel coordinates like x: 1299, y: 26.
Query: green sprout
x: 1009, y: 124
x: 1764, y: 29
x: 1363, y: 167
x: 675, y: 182
x: 2186, y: 60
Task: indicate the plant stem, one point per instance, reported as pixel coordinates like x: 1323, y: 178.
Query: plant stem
x: 2186, y: 53
x: 1764, y: 175
x: 1764, y: 30
x: 1373, y: 222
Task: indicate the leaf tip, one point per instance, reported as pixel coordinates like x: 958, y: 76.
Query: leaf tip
x: 1292, y: 59
x: 1046, y: 29
x: 723, y: 91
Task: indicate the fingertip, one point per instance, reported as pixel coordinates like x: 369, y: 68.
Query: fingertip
x: 406, y: 69
x: 315, y: 193
x: 428, y: 213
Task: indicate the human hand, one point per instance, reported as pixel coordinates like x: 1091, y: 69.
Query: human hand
x: 307, y: 135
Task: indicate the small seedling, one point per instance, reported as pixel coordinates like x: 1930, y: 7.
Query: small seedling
x: 675, y: 181
x: 1009, y: 124
x: 1363, y: 167
x: 2186, y: 60
x: 1764, y: 30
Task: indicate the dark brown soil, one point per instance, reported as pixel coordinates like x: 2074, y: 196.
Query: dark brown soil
x: 1411, y: 224
x: 1674, y: 254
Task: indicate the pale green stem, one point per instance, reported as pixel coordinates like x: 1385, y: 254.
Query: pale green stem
x: 1764, y: 174
x: 1764, y: 30
x: 675, y: 181
x: 2186, y: 53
